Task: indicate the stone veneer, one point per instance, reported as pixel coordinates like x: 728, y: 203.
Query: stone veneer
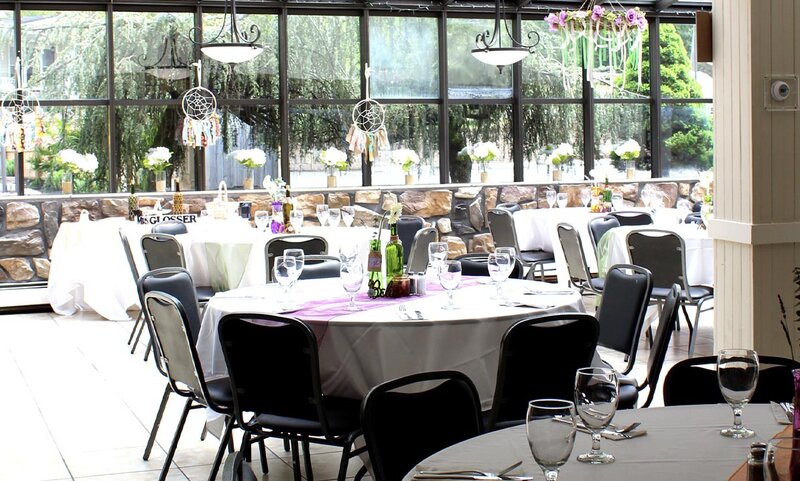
x: 28, y: 225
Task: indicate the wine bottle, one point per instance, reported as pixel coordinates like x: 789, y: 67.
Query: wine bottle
x: 288, y: 205
x: 177, y: 199
x: 394, y: 254
x: 374, y: 263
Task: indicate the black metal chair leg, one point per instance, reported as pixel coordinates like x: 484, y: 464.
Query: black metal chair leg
x: 174, y: 446
x: 343, y: 463
x: 286, y: 445
x: 307, y: 461
x: 227, y: 434
x: 262, y: 452
x: 686, y: 316
x: 157, y: 422
x: 362, y: 471
x: 296, y: 460
x: 138, y: 335
x: 139, y: 319
x: 247, y: 448
x: 204, y: 432
x: 147, y: 351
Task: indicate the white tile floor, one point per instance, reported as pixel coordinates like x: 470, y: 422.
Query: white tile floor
x: 76, y: 405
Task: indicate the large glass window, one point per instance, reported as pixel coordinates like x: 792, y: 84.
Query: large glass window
x: 623, y: 73
x: 545, y: 128
x: 682, y: 76
x: 688, y: 139
x: 413, y: 127
x: 552, y: 71
x: 617, y: 123
x: 470, y: 124
x: 467, y: 77
x: 404, y: 57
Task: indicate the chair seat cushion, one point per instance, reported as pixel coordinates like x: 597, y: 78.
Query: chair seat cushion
x: 219, y: 392
x: 695, y: 292
x: 628, y: 395
x: 598, y: 283
x: 342, y: 416
x: 204, y: 293
x: 536, y: 256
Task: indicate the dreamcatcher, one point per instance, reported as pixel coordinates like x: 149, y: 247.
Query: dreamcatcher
x: 201, y: 125
x: 367, y: 134
x: 22, y: 121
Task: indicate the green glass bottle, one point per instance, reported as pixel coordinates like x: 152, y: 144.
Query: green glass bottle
x: 374, y: 263
x: 394, y: 254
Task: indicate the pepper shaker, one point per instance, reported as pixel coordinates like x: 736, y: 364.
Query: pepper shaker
x: 755, y: 462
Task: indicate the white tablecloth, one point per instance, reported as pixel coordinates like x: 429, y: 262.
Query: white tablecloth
x: 699, y: 251
x: 363, y: 349
x: 682, y: 443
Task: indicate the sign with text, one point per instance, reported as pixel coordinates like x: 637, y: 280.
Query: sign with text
x: 152, y: 219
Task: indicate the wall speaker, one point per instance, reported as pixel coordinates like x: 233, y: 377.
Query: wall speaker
x: 703, y: 32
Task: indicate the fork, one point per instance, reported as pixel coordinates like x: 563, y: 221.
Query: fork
x: 473, y: 471
x: 404, y: 312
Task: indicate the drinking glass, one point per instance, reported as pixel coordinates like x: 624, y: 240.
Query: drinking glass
x: 510, y: 251
x: 262, y: 218
x: 499, y: 269
x: 348, y: 215
x: 437, y: 254
x: 550, y: 195
x: 450, y: 276
x: 780, y: 453
x: 737, y: 373
x: 586, y: 197
x: 322, y: 214
x: 550, y: 442
x: 299, y: 261
x: 647, y: 196
x: 562, y: 199
x: 284, y: 271
x: 596, y: 393
x: 334, y: 215
x: 297, y: 217
x: 616, y: 201
x: 352, y: 276
x: 349, y: 252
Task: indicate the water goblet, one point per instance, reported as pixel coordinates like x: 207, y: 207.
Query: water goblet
x: 299, y: 261
x: 283, y: 272
x: 437, y: 254
x: 500, y: 267
x: 449, y: 277
x: 616, y: 201
x: 596, y: 394
x: 348, y: 215
x: 510, y: 251
x: 262, y: 219
x: 297, y: 217
x: 322, y: 214
x: 334, y: 216
x: 562, y: 199
x: 349, y: 252
x: 737, y: 373
x: 550, y: 195
x: 352, y: 276
x: 647, y: 196
x: 586, y: 197
x: 550, y: 442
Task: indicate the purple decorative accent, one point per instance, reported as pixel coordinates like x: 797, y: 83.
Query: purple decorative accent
x: 562, y: 18
x: 597, y: 12
x: 552, y: 20
x: 631, y: 17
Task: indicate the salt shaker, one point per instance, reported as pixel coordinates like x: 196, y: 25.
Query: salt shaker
x: 755, y: 462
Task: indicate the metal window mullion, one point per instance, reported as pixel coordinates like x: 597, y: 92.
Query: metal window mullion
x: 199, y: 152
x: 444, y: 104
x: 111, y: 114
x: 19, y: 157
x: 517, y: 141
x: 283, y: 87
x: 588, y: 124
x: 366, y: 167
x: 656, y: 158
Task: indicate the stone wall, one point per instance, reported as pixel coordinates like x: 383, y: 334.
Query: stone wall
x: 28, y: 225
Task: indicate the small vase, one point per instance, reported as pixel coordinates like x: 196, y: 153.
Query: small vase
x: 66, y: 182
x: 331, y: 181
x: 630, y: 169
x: 556, y: 174
x: 161, y: 181
x: 409, y: 179
x: 247, y: 183
x: 484, y: 177
x: 276, y: 226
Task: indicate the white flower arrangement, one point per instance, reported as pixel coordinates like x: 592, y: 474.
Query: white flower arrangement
x: 250, y: 158
x: 628, y: 150
x: 604, y: 170
x: 275, y: 188
x: 76, y: 163
x: 393, y: 214
x: 333, y: 158
x: 561, y: 154
x: 157, y: 159
x: 405, y: 158
x: 484, y: 152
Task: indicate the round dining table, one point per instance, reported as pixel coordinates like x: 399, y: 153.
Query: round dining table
x: 681, y: 443
x: 390, y: 338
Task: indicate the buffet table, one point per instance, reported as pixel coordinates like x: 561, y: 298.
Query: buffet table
x: 360, y: 350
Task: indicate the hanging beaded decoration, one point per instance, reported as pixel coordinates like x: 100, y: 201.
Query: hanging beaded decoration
x: 201, y: 125
x: 367, y: 134
x: 22, y: 125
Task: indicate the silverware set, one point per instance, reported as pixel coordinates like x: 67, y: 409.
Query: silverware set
x: 612, y: 432
x: 473, y: 474
x: 406, y: 313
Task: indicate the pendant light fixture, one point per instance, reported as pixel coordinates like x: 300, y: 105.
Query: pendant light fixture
x: 242, y: 46
x: 490, y: 50
x: 169, y: 66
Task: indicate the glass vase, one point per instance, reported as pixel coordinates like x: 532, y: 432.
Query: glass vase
x: 556, y: 174
x: 630, y: 169
x: 409, y: 179
x: 247, y: 183
x: 161, y: 181
x: 66, y: 182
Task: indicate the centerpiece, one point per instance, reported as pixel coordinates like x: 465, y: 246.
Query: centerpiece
x: 601, y: 196
x: 406, y: 159
x: 275, y: 189
x: 157, y: 161
x: 483, y: 153
x: 333, y: 159
x: 629, y: 151
x: 561, y: 155
x: 250, y: 158
x: 73, y: 164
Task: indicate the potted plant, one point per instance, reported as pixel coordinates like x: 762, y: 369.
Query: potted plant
x: 73, y: 164
x: 157, y: 161
x: 333, y: 159
x: 250, y: 158
x: 483, y: 153
x: 406, y: 159
x: 561, y: 155
x: 628, y: 152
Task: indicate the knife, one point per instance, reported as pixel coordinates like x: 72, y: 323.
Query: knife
x: 472, y: 477
x: 780, y: 414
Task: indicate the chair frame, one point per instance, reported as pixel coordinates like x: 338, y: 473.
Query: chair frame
x: 402, y: 234
x: 138, y: 325
x: 319, y: 257
x: 289, y: 238
x: 513, y: 238
x: 483, y: 258
x: 631, y: 214
x: 168, y: 223
x: 416, y: 252
x: 163, y: 238
x: 595, y: 220
x: 579, y: 276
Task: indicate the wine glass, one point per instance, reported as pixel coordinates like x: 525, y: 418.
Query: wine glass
x: 297, y: 217
x: 262, y: 218
x: 647, y: 196
x: 334, y: 216
x: 449, y: 277
x: 616, y: 201
x: 550, y: 195
x: 352, y: 276
x: 299, y: 261
x: 499, y: 266
x: 510, y: 251
x: 550, y: 442
x: 437, y: 254
x: 284, y: 271
x: 737, y: 373
x: 348, y: 215
x: 322, y: 214
x: 596, y: 394
x: 562, y: 199
x: 586, y: 197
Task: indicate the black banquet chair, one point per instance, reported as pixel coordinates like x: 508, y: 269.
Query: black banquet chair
x: 538, y: 359
x: 171, y: 227
x: 320, y: 266
x: 288, y: 403
x: 477, y: 264
x: 694, y: 381
x: 598, y: 226
x: 417, y: 261
x: 577, y: 268
x: 139, y: 324
x: 403, y: 426
x: 501, y: 226
x: 633, y: 218
x: 311, y: 245
x: 407, y: 228
x: 164, y: 250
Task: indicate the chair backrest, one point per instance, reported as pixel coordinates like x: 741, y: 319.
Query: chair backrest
x: 623, y: 306
x: 418, y: 251
x: 599, y: 226
x: 126, y: 246
x: 404, y: 426
x: 509, y: 206
x: 171, y: 227
x: 311, y: 245
x: 250, y: 342
x: 320, y: 266
x: 477, y: 264
x: 572, y: 246
x: 662, y: 253
x: 632, y: 217
x: 501, y: 225
x: 658, y: 352
x: 170, y: 327
x: 407, y: 228
x: 694, y: 381
x: 538, y: 359
x: 162, y: 250
x: 178, y: 283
